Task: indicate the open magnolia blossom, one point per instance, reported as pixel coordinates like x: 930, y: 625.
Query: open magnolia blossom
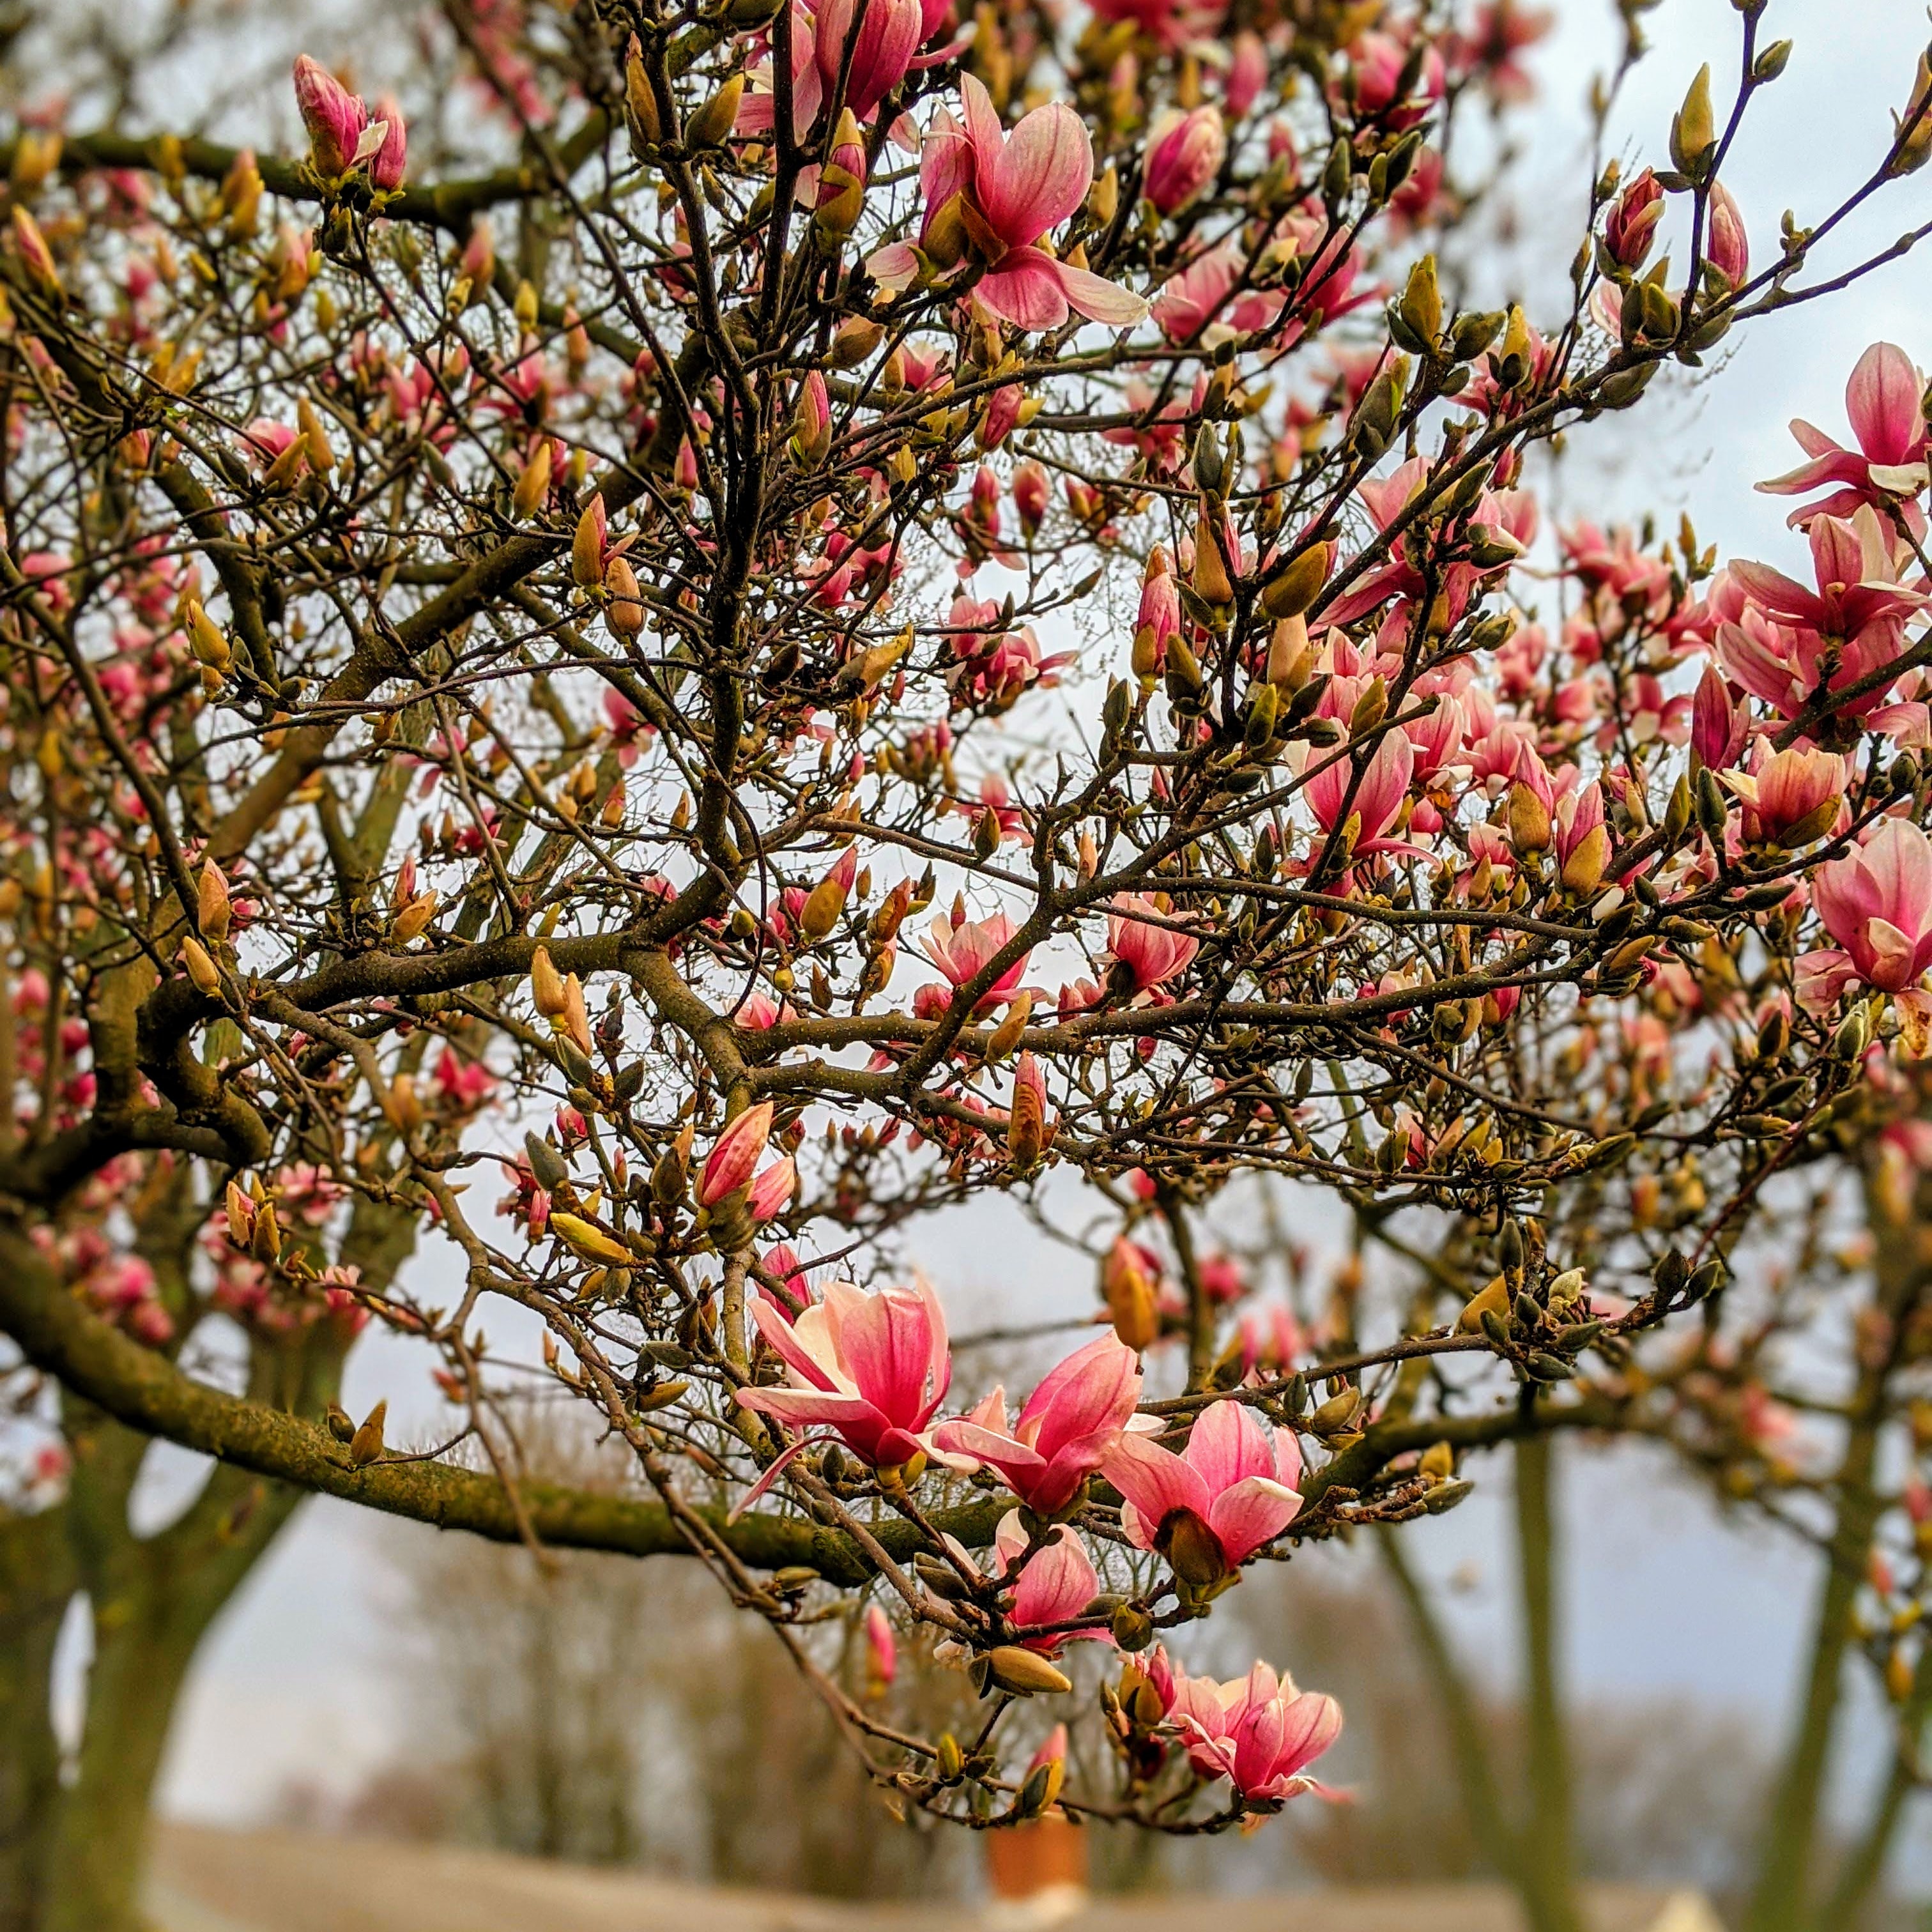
x: 1070, y: 1425
x: 1259, y: 1731
x: 872, y: 1369
x: 774, y: 699
x: 1231, y: 1492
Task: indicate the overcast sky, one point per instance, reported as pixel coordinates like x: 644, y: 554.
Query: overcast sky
x: 1662, y: 1599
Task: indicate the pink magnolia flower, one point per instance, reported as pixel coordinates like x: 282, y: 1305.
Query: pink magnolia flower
x: 882, y: 36
x: 1147, y: 955
x: 1881, y: 400
x: 1407, y: 574
x: 334, y: 118
x: 1631, y: 223
x: 1012, y: 191
x: 1198, y: 298
x: 730, y: 1162
x: 1232, y: 1488
x: 1876, y: 903
x: 961, y: 949
x: 1055, y: 1585
x: 1259, y: 1731
x: 1718, y: 730
x: 1378, y: 65
x: 872, y: 1368
x: 1791, y: 643
x: 1377, y: 798
x: 1069, y: 1425
x: 1184, y: 154
x: 1785, y: 789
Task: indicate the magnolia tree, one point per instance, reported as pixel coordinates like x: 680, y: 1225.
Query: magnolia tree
x: 864, y: 606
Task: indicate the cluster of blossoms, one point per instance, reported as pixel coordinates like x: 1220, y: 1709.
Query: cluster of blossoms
x: 508, y: 691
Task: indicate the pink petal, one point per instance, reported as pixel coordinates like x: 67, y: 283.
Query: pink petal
x: 1095, y: 1388
x: 1229, y: 1442
x: 1155, y: 1481
x: 1059, y: 1583
x: 1024, y: 290
x: 1314, y: 1722
x: 1254, y: 1512
x: 1898, y: 858
x: 1041, y: 175
x: 795, y: 1350
x: 886, y: 1345
x: 1775, y: 591
x: 1882, y: 399
x: 894, y: 266
x: 1099, y: 300
x: 802, y: 1407
x: 1013, y: 1459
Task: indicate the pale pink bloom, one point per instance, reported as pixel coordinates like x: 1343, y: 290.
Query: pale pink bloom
x: 1376, y: 64
x: 1498, y: 33
x: 1056, y: 1583
x: 1791, y: 643
x: 1883, y: 401
x: 883, y: 35
x: 1876, y: 903
x: 1149, y: 954
x: 1019, y: 186
x: 882, y: 1650
x: 1259, y: 1731
x: 1857, y: 575
x: 335, y: 119
x: 1786, y: 788
x: 1070, y: 1423
x: 730, y: 1165
x: 962, y: 949
x: 305, y: 1191
x: 1198, y: 298
x: 873, y: 1369
x: 1378, y: 797
x: 1184, y: 154
x: 1237, y: 1475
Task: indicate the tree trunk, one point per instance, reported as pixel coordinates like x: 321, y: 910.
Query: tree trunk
x: 37, y: 1583
x: 153, y: 1600
x: 1548, y: 1855
x: 1475, y: 1773
x: 1782, y: 1899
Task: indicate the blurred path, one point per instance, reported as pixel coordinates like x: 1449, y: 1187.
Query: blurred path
x: 206, y: 1880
